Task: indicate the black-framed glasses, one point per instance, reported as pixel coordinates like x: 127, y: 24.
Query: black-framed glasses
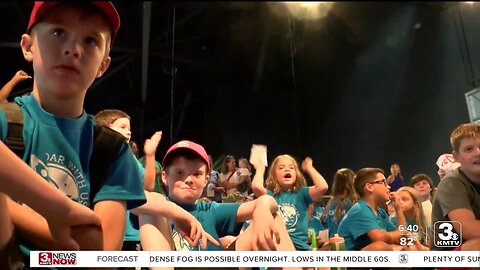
x: 384, y: 181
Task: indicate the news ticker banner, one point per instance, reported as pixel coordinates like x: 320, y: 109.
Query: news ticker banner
x: 207, y: 259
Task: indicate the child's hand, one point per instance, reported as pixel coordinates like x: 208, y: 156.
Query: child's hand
x: 191, y: 230
x: 63, y: 219
x: 21, y: 76
x: 264, y: 233
x: 151, y: 144
x: 307, y: 164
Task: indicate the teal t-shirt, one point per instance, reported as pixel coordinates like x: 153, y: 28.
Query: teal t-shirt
x: 293, y: 207
x: 332, y: 225
x: 217, y: 219
x: 358, y: 221
x: 59, y: 150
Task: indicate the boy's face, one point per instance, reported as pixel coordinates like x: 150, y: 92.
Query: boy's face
x: 379, y: 188
x: 185, y: 179
x: 122, y: 126
x: 423, y: 188
x: 468, y: 155
x: 68, y: 49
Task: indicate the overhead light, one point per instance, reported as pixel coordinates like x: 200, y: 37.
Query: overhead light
x: 309, y: 10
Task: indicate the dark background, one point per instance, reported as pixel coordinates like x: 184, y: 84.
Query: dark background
x: 367, y: 85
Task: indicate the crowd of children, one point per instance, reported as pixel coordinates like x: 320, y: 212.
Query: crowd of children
x: 68, y: 44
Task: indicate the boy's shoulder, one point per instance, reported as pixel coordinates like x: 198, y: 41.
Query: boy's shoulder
x: 451, y: 181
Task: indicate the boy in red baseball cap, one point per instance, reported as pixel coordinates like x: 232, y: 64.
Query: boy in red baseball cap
x: 68, y: 44
x: 186, y: 170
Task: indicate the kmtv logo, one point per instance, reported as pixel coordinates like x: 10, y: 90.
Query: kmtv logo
x: 445, y: 235
x: 57, y: 258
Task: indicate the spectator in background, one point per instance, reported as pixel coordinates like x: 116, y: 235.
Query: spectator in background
x: 212, y: 191
x: 424, y: 185
x: 446, y: 164
x: 395, y: 179
x: 8, y: 87
x: 344, y: 196
x: 229, y: 179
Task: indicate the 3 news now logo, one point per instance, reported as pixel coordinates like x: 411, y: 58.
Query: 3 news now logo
x: 57, y: 258
x: 445, y: 235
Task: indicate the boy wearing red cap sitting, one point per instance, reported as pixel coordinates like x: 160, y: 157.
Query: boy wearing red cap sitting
x: 185, y: 174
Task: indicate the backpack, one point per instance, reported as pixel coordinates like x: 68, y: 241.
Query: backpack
x: 106, y: 145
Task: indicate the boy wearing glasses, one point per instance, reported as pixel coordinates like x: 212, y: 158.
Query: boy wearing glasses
x: 366, y: 226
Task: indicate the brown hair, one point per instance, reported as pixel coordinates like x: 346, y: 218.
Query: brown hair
x: 107, y: 117
x: 272, y: 183
x: 363, y: 176
x: 420, y: 177
x: 469, y: 130
x: 343, y: 189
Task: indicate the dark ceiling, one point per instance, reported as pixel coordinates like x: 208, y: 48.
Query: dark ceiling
x: 366, y: 85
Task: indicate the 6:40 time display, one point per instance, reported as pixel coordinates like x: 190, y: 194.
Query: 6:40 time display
x: 408, y: 228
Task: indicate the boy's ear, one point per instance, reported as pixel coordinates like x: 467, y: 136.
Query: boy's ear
x: 26, y: 45
x: 368, y: 187
x: 164, y: 177
x: 207, y: 178
x: 455, y: 155
x: 104, y: 66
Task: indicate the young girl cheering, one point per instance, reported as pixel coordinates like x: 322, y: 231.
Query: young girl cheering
x: 287, y: 185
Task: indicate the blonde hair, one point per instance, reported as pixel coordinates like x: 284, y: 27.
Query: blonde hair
x: 226, y: 160
x: 469, y: 130
x: 418, y: 215
x: 249, y: 167
x: 343, y: 189
x: 272, y: 182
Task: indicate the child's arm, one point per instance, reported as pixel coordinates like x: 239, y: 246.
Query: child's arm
x: 257, y: 182
x: 401, y: 219
x: 262, y: 211
x: 61, y: 213
x: 186, y: 224
x: 392, y: 237
x: 8, y: 87
x: 320, y: 186
x: 35, y: 228
x: 150, y: 149
x: 469, y: 224
x: 112, y: 214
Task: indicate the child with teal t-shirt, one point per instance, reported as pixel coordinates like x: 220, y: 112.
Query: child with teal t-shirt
x: 68, y: 44
x: 287, y: 185
x: 366, y: 226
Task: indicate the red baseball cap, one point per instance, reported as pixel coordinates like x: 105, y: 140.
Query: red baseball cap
x: 40, y: 9
x: 188, y: 145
